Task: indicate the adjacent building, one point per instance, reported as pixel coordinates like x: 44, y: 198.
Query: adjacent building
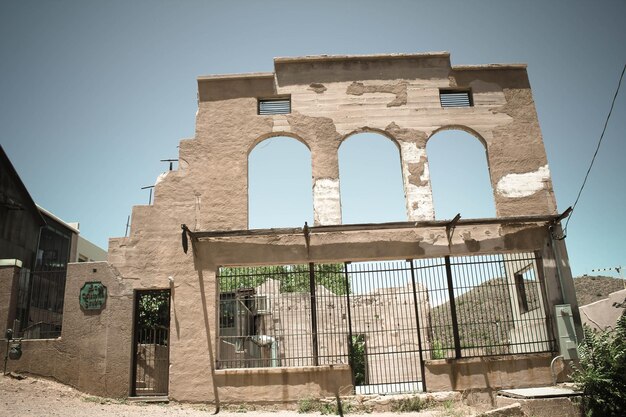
x: 35, y: 248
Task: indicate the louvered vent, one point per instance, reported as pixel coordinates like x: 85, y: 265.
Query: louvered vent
x: 455, y: 98
x: 275, y: 106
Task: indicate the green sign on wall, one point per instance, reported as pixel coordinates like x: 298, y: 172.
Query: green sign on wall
x: 93, y: 295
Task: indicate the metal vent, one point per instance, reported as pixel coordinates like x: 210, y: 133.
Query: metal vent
x: 275, y: 106
x: 455, y: 98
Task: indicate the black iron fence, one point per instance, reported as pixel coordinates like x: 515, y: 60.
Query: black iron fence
x: 485, y: 305
x: 384, y: 318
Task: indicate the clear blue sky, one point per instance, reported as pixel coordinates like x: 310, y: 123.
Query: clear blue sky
x: 94, y: 93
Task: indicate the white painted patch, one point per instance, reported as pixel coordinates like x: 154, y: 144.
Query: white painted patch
x: 326, y: 201
x: 523, y: 185
x: 410, y: 151
x: 419, y: 196
x: 161, y: 177
x: 423, y: 197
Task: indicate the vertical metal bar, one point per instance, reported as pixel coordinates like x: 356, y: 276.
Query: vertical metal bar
x: 455, y: 323
x: 313, y: 313
x: 417, y: 322
x: 350, y: 347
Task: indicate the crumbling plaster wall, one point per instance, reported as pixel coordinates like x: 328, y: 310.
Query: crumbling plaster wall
x: 332, y: 98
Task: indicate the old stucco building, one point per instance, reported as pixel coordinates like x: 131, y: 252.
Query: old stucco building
x: 232, y: 337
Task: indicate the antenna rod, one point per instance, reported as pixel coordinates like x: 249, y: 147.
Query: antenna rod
x: 171, y: 161
x: 127, y: 224
x: 149, y: 198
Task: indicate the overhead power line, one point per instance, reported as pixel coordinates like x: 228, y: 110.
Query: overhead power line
x: 596, y: 152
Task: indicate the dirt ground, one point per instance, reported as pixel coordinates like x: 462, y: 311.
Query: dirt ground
x: 37, y: 397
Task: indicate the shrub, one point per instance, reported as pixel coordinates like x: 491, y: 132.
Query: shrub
x: 601, y: 373
x: 437, y: 351
x: 308, y: 405
x: 406, y: 405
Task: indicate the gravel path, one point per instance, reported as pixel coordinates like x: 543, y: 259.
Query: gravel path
x: 36, y: 397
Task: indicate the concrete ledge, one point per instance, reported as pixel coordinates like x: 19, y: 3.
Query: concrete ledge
x: 489, y: 373
x: 280, y: 385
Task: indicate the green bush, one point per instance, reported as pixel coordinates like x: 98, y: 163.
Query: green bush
x: 311, y: 405
x: 601, y: 373
x: 308, y: 405
x: 408, y: 405
x: 437, y: 351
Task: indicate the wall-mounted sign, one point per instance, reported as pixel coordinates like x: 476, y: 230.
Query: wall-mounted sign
x: 93, y: 295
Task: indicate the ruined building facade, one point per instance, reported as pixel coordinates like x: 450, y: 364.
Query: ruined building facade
x: 230, y: 340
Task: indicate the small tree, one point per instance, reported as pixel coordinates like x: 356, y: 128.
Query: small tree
x: 293, y: 278
x: 154, y: 309
x: 601, y: 374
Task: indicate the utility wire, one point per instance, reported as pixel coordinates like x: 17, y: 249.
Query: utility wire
x: 596, y: 152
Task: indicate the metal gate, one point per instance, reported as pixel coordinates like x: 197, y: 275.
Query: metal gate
x: 384, y: 313
x: 151, y: 343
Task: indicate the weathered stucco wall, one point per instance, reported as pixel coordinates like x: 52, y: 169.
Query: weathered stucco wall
x: 490, y: 373
x: 335, y: 97
x: 331, y: 99
x: 397, y: 96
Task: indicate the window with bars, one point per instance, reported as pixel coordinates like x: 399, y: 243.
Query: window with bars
x: 455, y: 98
x: 378, y: 314
x: 274, y: 106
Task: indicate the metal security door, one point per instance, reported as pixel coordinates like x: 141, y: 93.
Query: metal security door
x: 151, y: 351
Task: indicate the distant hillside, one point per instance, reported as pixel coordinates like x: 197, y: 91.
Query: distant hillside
x: 484, y: 317
x: 484, y: 313
x: 590, y: 289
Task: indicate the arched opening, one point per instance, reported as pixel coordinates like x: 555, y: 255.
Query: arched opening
x: 279, y: 184
x: 370, y: 176
x: 459, y: 176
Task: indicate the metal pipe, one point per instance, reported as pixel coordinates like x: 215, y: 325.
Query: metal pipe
x: 552, y: 368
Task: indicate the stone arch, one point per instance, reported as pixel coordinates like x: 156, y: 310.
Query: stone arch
x: 270, y: 135
x: 463, y: 128
x: 370, y: 190
x: 459, y: 173
x: 279, y: 183
x: 371, y: 130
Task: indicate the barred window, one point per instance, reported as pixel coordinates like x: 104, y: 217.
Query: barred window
x: 274, y: 106
x: 455, y: 98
